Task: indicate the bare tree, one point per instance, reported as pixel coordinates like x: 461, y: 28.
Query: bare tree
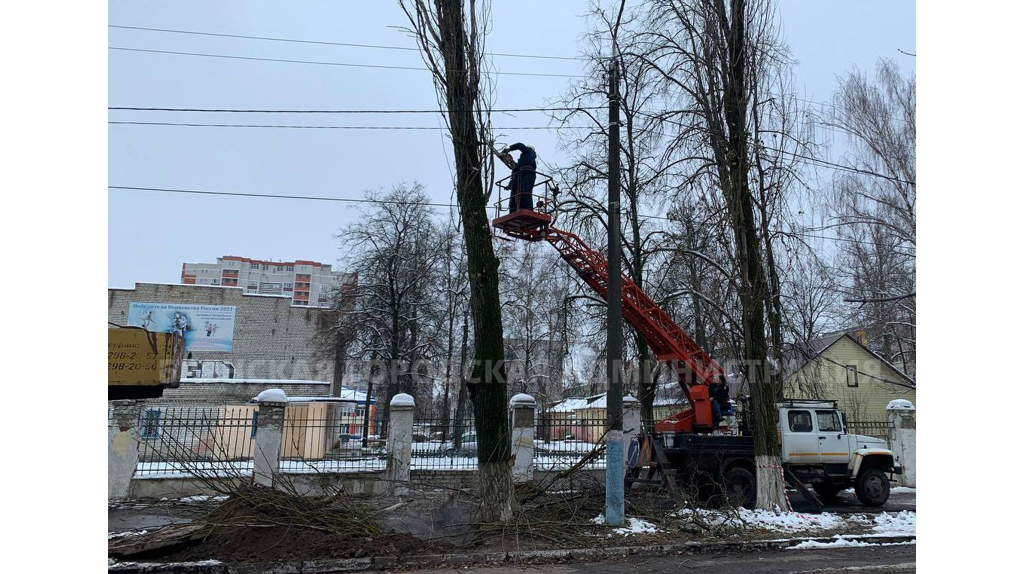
x: 874, y: 205
x: 451, y: 38
x: 646, y: 174
x: 708, y: 53
x: 391, y: 314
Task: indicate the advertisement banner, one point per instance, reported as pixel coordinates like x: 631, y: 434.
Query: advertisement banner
x: 204, y: 327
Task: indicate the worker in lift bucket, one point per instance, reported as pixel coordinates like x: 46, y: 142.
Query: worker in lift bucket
x: 524, y: 175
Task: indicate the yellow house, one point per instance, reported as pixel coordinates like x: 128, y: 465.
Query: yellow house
x: 840, y: 368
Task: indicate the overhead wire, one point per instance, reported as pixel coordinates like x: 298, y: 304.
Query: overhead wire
x: 320, y: 63
x: 389, y: 202
x: 323, y: 42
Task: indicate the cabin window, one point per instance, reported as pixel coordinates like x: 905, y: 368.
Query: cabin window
x: 800, y: 421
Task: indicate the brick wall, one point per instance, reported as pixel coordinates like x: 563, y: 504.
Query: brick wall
x: 237, y: 392
x: 272, y: 339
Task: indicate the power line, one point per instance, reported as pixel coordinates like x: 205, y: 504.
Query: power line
x: 313, y: 127
x: 275, y: 196
x: 258, y: 111
x: 363, y: 200
x: 343, y: 64
x: 324, y: 43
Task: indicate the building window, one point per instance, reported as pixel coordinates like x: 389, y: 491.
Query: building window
x: 290, y: 268
x: 851, y: 376
x: 254, y: 266
x: 255, y: 421
x: 151, y: 423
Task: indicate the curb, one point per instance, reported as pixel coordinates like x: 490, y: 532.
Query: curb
x: 479, y: 558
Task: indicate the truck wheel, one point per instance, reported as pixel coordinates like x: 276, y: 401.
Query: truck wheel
x: 827, y: 491
x: 872, y: 487
x: 740, y: 487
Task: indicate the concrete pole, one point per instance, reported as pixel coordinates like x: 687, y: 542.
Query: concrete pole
x: 614, y: 480
x: 631, y: 425
x: 903, y: 438
x: 122, y: 448
x: 523, y: 419
x: 269, y: 431
x: 399, y: 444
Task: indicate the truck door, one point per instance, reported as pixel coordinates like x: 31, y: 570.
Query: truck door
x: 832, y: 444
x: 799, y: 439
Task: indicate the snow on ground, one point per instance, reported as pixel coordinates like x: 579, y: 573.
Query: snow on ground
x: 841, y: 542
x: 203, y: 498
x: 902, y: 523
x: 902, y: 490
x: 125, y: 534
x: 776, y: 521
x: 636, y: 526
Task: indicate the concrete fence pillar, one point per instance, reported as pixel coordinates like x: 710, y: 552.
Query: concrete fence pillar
x: 399, y: 443
x: 269, y: 430
x: 903, y: 438
x: 524, y: 409
x: 122, y: 448
x: 631, y: 424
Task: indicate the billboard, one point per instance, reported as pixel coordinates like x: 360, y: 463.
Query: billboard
x: 204, y: 327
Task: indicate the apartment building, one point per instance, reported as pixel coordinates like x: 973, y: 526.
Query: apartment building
x: 308, y: 283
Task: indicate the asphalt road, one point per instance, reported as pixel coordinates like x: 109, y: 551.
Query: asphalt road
x: 879, y: 559
x: 847, y: 503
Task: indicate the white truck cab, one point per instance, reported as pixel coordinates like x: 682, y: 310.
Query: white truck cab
x: 819, y: 451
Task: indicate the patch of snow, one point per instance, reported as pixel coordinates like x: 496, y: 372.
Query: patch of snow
x: 272, y: 396
x: 841, y: 542
x: 254, y: 381
x: 203, y: 498
x: 902, y: 490
x: 776, y: 521
x: 636, y: 526
x: 522, y: 399
x: 112, y: 535
x: 903, y: 522
x: 403, y: 400
x: 900, y: 405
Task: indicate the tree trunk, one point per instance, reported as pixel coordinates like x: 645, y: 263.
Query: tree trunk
x: 754, y: 295
x: 489, y: 399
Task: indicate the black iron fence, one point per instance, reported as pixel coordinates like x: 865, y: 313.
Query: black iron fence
x: 190, y: 441
x: 443, y: 444
x: 877, y: 429
x: 561, y: 442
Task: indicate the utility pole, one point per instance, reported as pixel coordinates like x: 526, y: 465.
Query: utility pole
x: 615, y: 479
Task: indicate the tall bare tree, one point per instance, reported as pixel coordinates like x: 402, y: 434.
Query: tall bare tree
x: 451, y: 36
x: 707, y: 51
x: 391, y: 314
x: 874, y: 206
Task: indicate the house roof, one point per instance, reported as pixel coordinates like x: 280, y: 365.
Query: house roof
x: 574, y: 404
x: 799, y: 355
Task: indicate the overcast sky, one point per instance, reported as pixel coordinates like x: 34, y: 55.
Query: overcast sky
x: 151, y: 234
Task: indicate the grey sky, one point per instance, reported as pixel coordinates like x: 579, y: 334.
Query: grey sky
x: 150, y: 234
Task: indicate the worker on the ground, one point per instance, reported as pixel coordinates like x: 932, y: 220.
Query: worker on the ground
x: 524, y: 175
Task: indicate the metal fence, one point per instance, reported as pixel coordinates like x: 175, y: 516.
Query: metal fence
x: 439, y: 444
x: 179, y: 441
x: 190, y: 441
x: 328, y: 438
x: 878, y: 429
x: 561, y: 442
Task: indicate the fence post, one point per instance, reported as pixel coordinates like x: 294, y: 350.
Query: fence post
x: 903, y: 438
x: 269, y: 429
x: 523, y: 420
x: 631, y: 424
x: 122, y: 448
x: 399, y: 443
